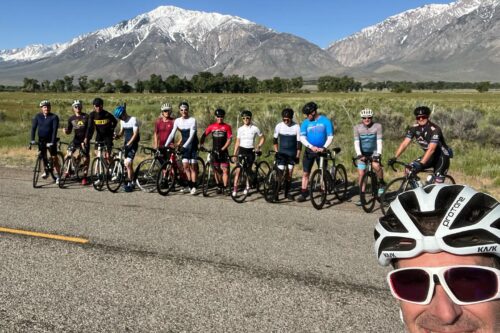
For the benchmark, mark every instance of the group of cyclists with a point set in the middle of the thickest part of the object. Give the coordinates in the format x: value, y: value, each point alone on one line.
x: 315, y: 133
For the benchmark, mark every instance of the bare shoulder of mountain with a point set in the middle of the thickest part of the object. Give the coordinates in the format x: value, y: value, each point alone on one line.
x: 459, y: 41
x: 171, y: 40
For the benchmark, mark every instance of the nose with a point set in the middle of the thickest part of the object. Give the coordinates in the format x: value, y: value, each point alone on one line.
x: 443, y: 308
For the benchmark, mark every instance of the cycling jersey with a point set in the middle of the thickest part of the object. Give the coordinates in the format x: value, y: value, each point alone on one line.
x: 316, y: 132
x: 129, y: 128
x: 163, y: 129
x: 103, y: 123
x: 187, y: 127
x: 287, y: 138
x: 368, y: 139
x: 247, y: 135
x: 427, y: 134
x: 80, y: 124
x: 220, y: 134
x: 47, y: 127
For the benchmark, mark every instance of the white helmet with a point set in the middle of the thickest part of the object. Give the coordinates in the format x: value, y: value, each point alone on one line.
x: 436, y: 218
x: 166, y: 107
x: 45, y: 103
x: 76, y: 102
x: 366, y: 113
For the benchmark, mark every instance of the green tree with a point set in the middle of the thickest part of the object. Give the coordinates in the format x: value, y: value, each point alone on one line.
x: 30, y: 85
x: 483, y: 86
x: 46, y: 85
x: 58, y: 85
x: 96, y: 85
x: 140, y: 86
x: 83, y: 83
x: 68, y: 82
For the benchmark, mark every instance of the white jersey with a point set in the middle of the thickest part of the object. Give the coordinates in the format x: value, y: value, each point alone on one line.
x: 187, y: 127
x: 129, y: 128
x: 247, y: 135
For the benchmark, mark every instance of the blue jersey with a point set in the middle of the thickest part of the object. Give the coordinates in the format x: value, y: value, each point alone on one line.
x: 367, y: 137
x: 47, y: 127
x: 317, y: 131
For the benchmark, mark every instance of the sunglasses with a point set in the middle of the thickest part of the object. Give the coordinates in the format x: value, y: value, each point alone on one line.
x: 245, y: 118
x: 183, y: 110
x: 364, y: 118
x: 463, y: 284
x: 421, y: 117
x: 286, y: 119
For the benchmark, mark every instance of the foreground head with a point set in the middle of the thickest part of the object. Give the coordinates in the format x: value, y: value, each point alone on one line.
x: 310, y: 110
x: 98, y: 104
x: 184, y: 109
x: 220, y: 114
x: 120, y: 112
x: 287, y: 116
x: 246, y: 116
x: 166, y: 110
x: 77, y: 106
x: 422, y: 114
x: 444, y: 241
x: 366, y: 116
x: 45, y: 106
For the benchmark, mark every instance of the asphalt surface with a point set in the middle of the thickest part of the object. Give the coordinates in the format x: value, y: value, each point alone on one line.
x: 186, y: 263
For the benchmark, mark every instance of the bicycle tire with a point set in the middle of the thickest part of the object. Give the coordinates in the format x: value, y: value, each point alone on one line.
x: 60, y: 158
x: 146, y: 174
x: 273, y: 186
x: 340, y: 182
x: 115, y: 176
x: 368, y: 191
x: 449, y: 180
x: 207, y: 180
x: 261, y: 173
x: 66, y: 171
x: 240, y: 194
x: 318, y: 187
x: 98, y: 174
x: 36, y: 171
x: 165, y: 179
x: 201, y: 172
x: 391, y: 191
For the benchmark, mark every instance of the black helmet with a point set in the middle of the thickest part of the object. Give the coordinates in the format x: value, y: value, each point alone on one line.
x: 220, y: 113
x: 246, y: 113
x: 422, y: 111
x: 98, y: 101
x: 183, y: 105
x: 309, y: 108
x: 287, y: 113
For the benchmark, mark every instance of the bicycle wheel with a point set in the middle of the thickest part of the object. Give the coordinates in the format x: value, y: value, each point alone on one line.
x: 239, y: 191
x: 115, y: 176
x: 98, y: 173
x: 66, y: 171
x: 208, y: 180
x: 368, y: 191
x: 391, y: 191
x: 36, y: 171
x: 318, y: 187
x: 340, y: 182
x: 262, y: 170
x: 165, y: 178
x: 449, y: 179
x: 146, y: 174
x: 201, y: 167
x: 60, y: 159
x: 272, y: 186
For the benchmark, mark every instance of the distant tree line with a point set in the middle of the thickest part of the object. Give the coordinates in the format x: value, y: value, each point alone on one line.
x: 407, y: 86
x: 334, y: 84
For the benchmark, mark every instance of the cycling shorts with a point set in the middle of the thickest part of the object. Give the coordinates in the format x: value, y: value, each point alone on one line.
x: 308, y: 160
x: 221, y: 159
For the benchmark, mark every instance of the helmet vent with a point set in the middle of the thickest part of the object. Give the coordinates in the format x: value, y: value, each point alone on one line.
x: 471, y: 238
x: 477, y: 207
x: 391, y: 223
x: 397, y: 244
x: 427, y: 222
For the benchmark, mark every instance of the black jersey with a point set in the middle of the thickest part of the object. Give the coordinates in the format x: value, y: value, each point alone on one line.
x: 103, y: 123
x: 79, y: 123
x: 427, y: 134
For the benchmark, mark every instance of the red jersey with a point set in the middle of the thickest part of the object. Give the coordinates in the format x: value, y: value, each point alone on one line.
x: 220, y: 134
x: 163, y: 129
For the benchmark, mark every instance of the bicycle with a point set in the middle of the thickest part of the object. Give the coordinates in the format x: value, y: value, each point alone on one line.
x: 117, y: 173
x: 247, y: 180
x: 278, y: 179
x: 172, y: 172
x: 42, y: 162
x: 209, y: 180
x: 369, y: 187
x: 99, y: 167
x: 325, y: 181
x: 73, y: 166
x: 401, y: 184
x: 147, y: 171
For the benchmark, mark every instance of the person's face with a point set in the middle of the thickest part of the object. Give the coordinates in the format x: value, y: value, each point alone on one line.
x: 246, y: 120
x: 422, y: 120
x: 311, y: 115
x: 45, y: 109
x: 98, y: 108
x: 220, y: 119
x: 366, y: 120
x: 166, y: 113
x: 77, y: 109
x: 184, y: 112
x: 287, y: 121
x: 441, y: 314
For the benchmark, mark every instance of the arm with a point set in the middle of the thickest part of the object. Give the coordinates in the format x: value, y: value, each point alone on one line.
x: 236, y: 146
x: 329, y: 140
x: 262, y: 139
x: 192, y: 133
x: 134, y: 136
x: 69, y: 127
x: 156, y: 138
x: 379, y: 140
x: 55, y: 127
x: 428, y: 153
x: 171, y: 136
x: 329, y: 133
x: 402, y: 147
x: 90, y: 128
x: 34, y: 125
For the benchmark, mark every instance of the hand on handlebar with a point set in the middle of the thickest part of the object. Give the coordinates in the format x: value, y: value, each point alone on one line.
x: 391, y: 161
x: 416, y: 166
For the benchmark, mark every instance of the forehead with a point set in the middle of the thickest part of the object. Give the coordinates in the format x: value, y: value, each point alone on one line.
x: 445, y: 259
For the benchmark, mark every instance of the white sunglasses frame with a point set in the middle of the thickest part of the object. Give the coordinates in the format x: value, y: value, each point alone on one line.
x: 439, y: 272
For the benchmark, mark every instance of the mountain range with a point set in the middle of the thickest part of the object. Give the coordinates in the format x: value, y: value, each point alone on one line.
x: 459, y: 41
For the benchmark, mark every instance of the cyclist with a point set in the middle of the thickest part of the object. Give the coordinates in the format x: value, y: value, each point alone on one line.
x: 430, y: 138
x: 129, y: 128
x: 368, y: 143
x: 286, y: 141
x: 79, y: 121
x: 47, y: 124
x: 316, y: 133
x: 163, y: 126
x: 221, y: 139
x: 189, y: 141
x: 444, y: 243
x: 245, y: 143
x: 103, y: 123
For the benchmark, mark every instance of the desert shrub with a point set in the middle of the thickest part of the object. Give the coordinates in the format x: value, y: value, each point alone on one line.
x: 459, y: 123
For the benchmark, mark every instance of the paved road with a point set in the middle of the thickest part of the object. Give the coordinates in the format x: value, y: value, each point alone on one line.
x: 186, y: 263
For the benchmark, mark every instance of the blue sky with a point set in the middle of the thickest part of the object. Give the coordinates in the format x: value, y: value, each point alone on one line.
x: 25, y: 22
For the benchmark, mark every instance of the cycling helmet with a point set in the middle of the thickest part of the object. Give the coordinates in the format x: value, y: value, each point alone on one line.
x: 183, y: 105
x: 287, y: 113
x: 309, y: 108
x: 45, y: 103
x: 98, y: 102
x: 220, y: 113
x: 422, y: 111
x: 246, y: 113
x: 366, y: 113
x: 450, y: 218
x: 119, y: 110
x: 77, y: 102
x: 166, y: 107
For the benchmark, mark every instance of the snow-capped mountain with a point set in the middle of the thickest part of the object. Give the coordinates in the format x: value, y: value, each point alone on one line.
x: 456, y: 41
x: 171, y: 40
